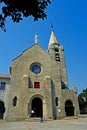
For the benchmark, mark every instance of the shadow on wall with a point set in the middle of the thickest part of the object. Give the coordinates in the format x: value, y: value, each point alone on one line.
x: 63, y: 85
x: 2, y: 109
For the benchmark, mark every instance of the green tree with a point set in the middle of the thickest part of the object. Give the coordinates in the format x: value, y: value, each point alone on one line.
x: 18, y: 9
x: 82, y: 97
x: 84, y: 93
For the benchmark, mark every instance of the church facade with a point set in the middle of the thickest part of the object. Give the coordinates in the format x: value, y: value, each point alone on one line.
x: 38, y: 82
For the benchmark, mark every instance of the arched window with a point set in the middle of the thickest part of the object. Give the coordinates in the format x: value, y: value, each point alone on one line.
x: 14, y: 101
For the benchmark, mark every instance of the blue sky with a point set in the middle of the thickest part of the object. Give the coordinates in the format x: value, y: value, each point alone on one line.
x: 69, y: 18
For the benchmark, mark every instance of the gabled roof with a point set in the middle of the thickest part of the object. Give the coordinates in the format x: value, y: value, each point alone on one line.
x: 27, y: 49
x: 4, y: 76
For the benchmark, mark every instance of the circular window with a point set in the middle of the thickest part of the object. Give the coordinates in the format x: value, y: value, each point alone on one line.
x: 36, y: 69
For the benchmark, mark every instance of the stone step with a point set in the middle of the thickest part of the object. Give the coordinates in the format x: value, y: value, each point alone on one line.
x: 70, y: 117
x: 83, y: 116
x: 2, y: 120
x: 32, y: 119
x: 36, y: 119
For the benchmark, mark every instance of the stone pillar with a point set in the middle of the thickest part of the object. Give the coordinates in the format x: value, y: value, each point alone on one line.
x: 45, y: 113
x: 23, y: 105
x: 47, y: 104
x: 63, y: 71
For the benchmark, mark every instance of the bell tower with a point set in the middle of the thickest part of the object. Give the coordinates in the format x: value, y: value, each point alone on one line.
x: 53, y: 47
x: 56, y: 52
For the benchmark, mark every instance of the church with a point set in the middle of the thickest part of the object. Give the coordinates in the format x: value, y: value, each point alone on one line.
x: 38, y: 82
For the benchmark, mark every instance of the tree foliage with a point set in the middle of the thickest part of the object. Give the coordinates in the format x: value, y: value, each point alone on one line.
x: 84, y: 93
x: 18, y: 9
x: 82, y: 97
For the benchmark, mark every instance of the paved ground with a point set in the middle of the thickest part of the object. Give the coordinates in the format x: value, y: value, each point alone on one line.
x: 74, y: 124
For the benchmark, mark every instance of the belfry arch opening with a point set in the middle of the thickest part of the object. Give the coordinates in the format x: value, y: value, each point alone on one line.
x: 36, y: 106
x: 69, y: 108
x: 2, y: 109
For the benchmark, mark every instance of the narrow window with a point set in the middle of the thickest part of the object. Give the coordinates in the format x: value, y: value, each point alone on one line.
x: 14, y: 101
x: 56, y: 101
x: 36, y: 85
x: 56, y: 49
x: 30, y: 85
x: 57, y: 57
x: 2, y: 85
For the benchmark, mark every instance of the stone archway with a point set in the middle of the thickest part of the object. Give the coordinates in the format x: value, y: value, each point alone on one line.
x: 37, y: 106
x: 2, y: 109
x: 69, y: 108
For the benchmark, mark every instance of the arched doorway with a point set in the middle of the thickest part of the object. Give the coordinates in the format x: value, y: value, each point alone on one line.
x: 37, y: 107
x: 69, y: 108
x: 2, y: 109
